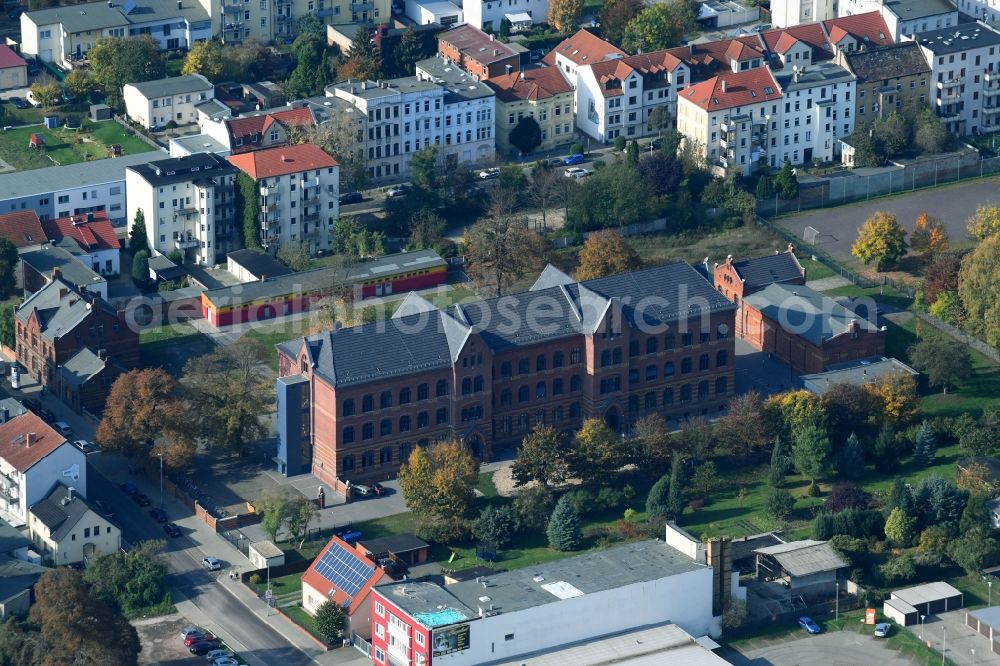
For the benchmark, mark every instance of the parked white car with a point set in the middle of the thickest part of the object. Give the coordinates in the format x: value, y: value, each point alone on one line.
x: 576, y: 172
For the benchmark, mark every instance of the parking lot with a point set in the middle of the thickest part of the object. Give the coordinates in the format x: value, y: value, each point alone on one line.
x: 161, y: 642
x: 836, y: 648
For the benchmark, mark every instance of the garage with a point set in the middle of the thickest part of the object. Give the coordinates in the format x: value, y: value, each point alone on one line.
x: 906, y: 605
x: 987, y: 622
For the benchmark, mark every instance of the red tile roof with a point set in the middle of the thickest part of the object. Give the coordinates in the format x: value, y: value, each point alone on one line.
x: 282, y: 160
x: 779, y: 41
x: 741, y: 89
x: 531, y: 84
x: 96, y: 234
x: 869, y: 28
x: 654, y: 62
x: 714, y: 55
x: 26, y: 439
x: 476, y: 44
x: 739, y: 51
x: 292, y: 118
x: 22, y: 228
x: 9, y: 59
x: 583, y: 48
x: 318, y: 582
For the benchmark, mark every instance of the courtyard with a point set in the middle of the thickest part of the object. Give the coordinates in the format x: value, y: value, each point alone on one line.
x: 93, y: 141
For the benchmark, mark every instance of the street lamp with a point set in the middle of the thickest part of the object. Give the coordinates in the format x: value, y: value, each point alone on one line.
x: 944, y: 643
x: 921, y: 634
x: 973, y: 651
x: 989, y: 593
x: 160, y: 456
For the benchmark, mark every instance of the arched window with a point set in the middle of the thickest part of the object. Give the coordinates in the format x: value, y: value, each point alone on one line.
x: 467, y: 386
x: 385, y: 455
x: 522, y: 394
x: 505, y: 369
x: 442, y: 415
x: 348, y: 435
x: 367, y: 403
x: 368, y: 430
x: 605, y: 358
x: 557, y: 386
x: 557, y: 414
x: 668, y: 369
x: 385, y: 427
x: 477, y: 384
x: 668, y: 397
x: 686, y: 366
x: 421, y: 391
x: 523, y: 366
x: 702, y: 390
x: 575, y: 383
x: 539, y: 390
x: 575, y: 410
x: 404, y: 452
x: 616, y: 355
x: 404, y: 424
x: 404, y: 396
x: 367, y: 459
x: 703, y: 362
x: 650, y: 345
x: 686, y: 393
x: 540, y: 363
x: 422, y: 419
x: 633, y: 348
x: 505, y: 398
x: 385, y: 400
x: 633, y: 404
x: 348, y: 408
x: 650, y: 400
x: 522, y: 422
x: 347, y: 463
x: 668, y: 341
x: 557, y: 359
x: 720, y: 386
x: 633, y: 376
x: 442, y: 388
x: 650, y: 370
x: 721, y: 358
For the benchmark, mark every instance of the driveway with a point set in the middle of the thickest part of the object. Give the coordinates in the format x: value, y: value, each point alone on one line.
x: 960, y: 641
x: 838, y: 648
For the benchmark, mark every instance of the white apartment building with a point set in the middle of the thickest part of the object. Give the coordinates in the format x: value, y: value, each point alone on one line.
x: 786, y: 13
x: 818, y: 109
x: 965, y: 76
x: 615, y: 97
x: 734, y: 119
x: 153, y: 104
x: 63, y: 35
x: 33, y: 457
x: 469, y: 112
x: 188, y: 205
x: 299, y: 193
x: 487, y: 14
x: 905, y: 17
x: 402, y: 116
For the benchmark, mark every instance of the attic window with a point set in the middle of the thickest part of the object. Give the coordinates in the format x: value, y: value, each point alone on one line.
x: 715, y: 100
x: 753, y: 93
x: 881, y: 35
x: 769, y: 90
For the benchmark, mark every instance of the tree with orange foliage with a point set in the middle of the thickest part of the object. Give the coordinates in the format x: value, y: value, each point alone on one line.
x: 606, y: 253
x: 897, y: 392
x: 146, y: 415
x: 929, y: 236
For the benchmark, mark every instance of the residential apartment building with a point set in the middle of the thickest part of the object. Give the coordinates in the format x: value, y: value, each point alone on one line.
x: 97, y: 186
x: 478, y: 53
x: 64, y: 528
x: 653, y: 341
x: 401, y: 116
x: 888, y: 79
x: 58, y: 323
x: 541, y: 93
x: 786, y: 13
x: 734, y: 119
x: 33, y: 457
x: 299, y: 193
x: 487, y: 14
x: 235, y: 21
x: 582, y: 48
x: 38, y: 267
x: 153, y: 104
x: 469, y: 112
x: 905, y: 17
x: 345, y: 15
x: 188, y: 204
x: 818, y: 109
x: 964, y: 77
x: 63, y: 35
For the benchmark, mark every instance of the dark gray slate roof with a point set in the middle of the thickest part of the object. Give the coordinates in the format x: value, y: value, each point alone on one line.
x: 11, y: 538
x: 420, y: 337
x: 259, y: 263
x: 59, y: 314
x: 81, y: 367
x: 887, y: 62
x: 49, y: 257
x: 762, y: 271
x: 806, y: 312
x: 394, y: 543
x: 58, y: 517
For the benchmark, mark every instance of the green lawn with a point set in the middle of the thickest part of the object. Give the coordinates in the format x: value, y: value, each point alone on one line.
x: 303, y: 619
x: 63, y: 146
x: 815, y: 270
x: 886, y: 295
x: 694, y: 246
x: 170, y: 346
x: 281, y: 585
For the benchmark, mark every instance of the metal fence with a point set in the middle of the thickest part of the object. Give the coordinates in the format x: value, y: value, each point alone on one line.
x: 849, y: 186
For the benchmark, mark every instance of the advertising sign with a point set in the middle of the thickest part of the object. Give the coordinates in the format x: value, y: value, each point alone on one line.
x: 869, y: 616
x: 450, y: 639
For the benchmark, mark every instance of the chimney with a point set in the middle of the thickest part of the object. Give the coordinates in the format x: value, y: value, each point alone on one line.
x: 496, y: 52
x: 725, y: 86
x: 110, y: 4
x: 522, y: 76
x: 102, y: 354
x: 729, y: 260
x: 491, y: 38
x: 90, y: 217
x: 56, y: 274
x: 509, y: 69
x: 4, y: 415
x: 70, y: 493
x: 180, y: 5
x: 790, y: 249
x: 263, y: 278
x: 29, y: 439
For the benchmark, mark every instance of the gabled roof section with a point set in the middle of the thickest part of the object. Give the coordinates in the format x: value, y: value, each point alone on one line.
x: 551, y: 277
x: 26, y: 439
x: 785, y: 42
x: 60, y: 511
x: 535, y: 84
x: 727, y: 91
x: 282, y: 161
x: 10, y: 59
x: 584, y: 48
x: 173, y: 85
x: 762, y: 271
x: 895, y: 60
x: 740, y: 51
x: 59, y: 307
x: 780, y: 40
x: 653, y: 67
x: 713, y: 56
x: 341, y: 573
x: 22, y: 228
x: 90, y: 234
x: 869, y: 29
x: 810, y: 314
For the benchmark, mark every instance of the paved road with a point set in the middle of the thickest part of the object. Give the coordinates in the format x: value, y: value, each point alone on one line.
x: 838, y: 648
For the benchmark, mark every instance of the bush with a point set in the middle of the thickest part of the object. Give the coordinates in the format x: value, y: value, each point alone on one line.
x: 581, y: 501
x: 496, y: 525
x: 534, y: 506
x: 897, y: 570
x: 609, y: 498
x: 575, y: 148
x: 627, y: 530
x: 171, y: 125
x: 620, y: 142
x: 780, y: 503
x: 852, y: 522
x: 735, y: 614
x: 657, y: 502
x: 444, y: 532
x: 254, y: 579
x: 846, y: 496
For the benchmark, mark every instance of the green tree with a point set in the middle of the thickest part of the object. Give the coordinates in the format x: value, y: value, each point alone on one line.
x: 300, y: 512
x: 229, y: 392
x: 764, y: 189
x: 294, y: 254
x: 312, y: 25
x: 658, y: 500
x: 564, y: 15
x: 500, y: 250
x: 675, y: 497
x: 897, y: 570
x: 650, y: 449
x: 947, y: 308
x: 811, y: 451
x: 79, y: 83
x: 543, y: 457
x: 363, y: 61
x: 45, y: 90
x: 7, y: 329
x: 609, y: 198
x: 851, y: 462
x: 974, y: 551
x: 533, y: 506
x: 886, y: 451
x: 894, y: 132
x: 899, y: 528
x: 312, y: 71
x: 780, y: 456
x: 496, y: 525
x: 979, y: 289
x: 786, y: 183
x: 438, y: 481
x: 780, y: 503
x: 424, y: 171
x: 115, y: 61
x: 881, y: 239
x: 976, y: 514
x: 705, y: 481
x: 901, y: 497
x: 632, y: 154
x: 130, y: 584
x: 331, y: 619
x: 868, y: 148
x: 945, y: 363
x: 137, y: 238
x: 615, y: 16
x: 8, y: 266
x: 940, y: 502
x: 206, y: 57
x: 248, y: 208
x: 273, y: 508
x: 140, y: 268
x: 596, y: 452
x: 985, y: 222
x: 410, y: 50
x: 564, y: 531
x: 925, y: 446
x: 660, y: 26
x: 526, y: 135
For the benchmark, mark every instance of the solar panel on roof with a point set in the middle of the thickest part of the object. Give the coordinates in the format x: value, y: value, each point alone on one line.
x: 345, y: 571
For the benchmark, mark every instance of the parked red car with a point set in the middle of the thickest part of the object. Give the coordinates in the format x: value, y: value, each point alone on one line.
x: 196, y: 638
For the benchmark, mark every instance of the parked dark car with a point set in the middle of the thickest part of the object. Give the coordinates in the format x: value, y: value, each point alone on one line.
x: 172, y: 530
x: 18, y: 102
x: 376, y: 488
x: 202, y: 648
x: 37, y: 408
x: 141, y: 499
x: 128, y: 488
x: 351, y: 198
x: 158, y: 514
x: 104, y: 509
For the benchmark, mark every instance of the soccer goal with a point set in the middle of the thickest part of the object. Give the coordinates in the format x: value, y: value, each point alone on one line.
x: 811, y: 235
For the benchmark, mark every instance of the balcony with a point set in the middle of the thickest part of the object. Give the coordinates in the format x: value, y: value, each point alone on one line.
x: 949, y: 113
x: 362, y: 6
x: 232, y: 7
x: 323, y: 13
x: 185, y: 243
x: 187, y: 212
x: 279, y: 3
x: 270, y: 205
x: 311, y: 217
x: 948, y: 95
x: 283, y: 18
x: 726, y: 143
x: 310, y: 182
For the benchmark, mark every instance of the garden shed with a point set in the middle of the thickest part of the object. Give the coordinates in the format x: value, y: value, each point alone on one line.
x: 805, y: 567
x: 264, y: 554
